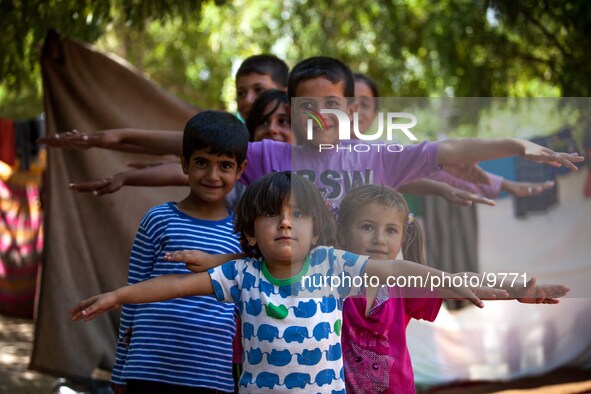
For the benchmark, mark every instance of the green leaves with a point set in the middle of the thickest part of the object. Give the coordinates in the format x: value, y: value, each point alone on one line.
x: 413, y: 48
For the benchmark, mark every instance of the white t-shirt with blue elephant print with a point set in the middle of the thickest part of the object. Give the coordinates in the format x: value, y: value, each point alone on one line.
x: 291, y: 328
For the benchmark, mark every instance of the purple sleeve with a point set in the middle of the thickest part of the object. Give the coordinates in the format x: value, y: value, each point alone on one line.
x: 412, y: 163
x: 488, y: 191
x: 264, y: 157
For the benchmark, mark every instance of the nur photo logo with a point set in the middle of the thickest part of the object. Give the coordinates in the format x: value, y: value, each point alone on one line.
x: 387, y: 124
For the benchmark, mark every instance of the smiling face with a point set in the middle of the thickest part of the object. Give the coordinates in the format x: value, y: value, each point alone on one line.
x: 211, y: 176
x: 376, y: 231
x: 284, y: 238
x: 316, y: 94
x: 249, y: 87
x: 276, y: 126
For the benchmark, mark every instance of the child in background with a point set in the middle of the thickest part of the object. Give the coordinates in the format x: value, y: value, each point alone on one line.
x: 374, y: 220
x: 270, y: 118
x: 323, y: 82
x: 255, y: 75
x: 367, y: 95
x: 185, y: 345
x: 291, y: 327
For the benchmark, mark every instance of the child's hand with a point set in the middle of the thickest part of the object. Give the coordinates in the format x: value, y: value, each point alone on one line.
x: 469, y: 172
x: 199, y: 261
x: 539, y: 294
x: 94, y: 306
x: 76, y: 140
x: 526, y: 189
x: 139, y: 164
x: 471, y: 294
x: 70, y: 139
x: 468, y: 294
x: 195, y: 260
x: 464, y: 198
x: 489, y: 293
x: 474, y: 294
x: 539, y: 154
x: 98, y: 188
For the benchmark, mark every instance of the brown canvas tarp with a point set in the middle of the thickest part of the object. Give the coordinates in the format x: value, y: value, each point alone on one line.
x: 88, y: 239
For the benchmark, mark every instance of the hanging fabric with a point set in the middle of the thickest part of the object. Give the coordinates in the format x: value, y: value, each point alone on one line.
x: 21, y: 244
x: 7, y: 151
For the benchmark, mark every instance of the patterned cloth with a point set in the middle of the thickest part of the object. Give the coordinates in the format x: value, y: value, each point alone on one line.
x: 291, y: 328
x: 21, y: 245
x: 375, y: 354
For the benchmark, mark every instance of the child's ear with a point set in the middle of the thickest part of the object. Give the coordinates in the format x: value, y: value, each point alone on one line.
x: 241, y: 168
x: 251, y: 240
x: 184, y: 165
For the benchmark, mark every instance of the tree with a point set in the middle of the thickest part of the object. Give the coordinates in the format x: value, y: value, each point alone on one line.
x: 413, y: 48
x: 26, y: 23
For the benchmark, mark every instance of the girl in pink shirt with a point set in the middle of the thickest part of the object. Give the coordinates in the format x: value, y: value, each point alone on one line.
x: 374, y: 220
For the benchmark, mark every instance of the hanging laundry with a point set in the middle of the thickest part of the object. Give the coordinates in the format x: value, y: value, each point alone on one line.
x: 21, y: 244
x: 452, y: 251
x: 26, y: 134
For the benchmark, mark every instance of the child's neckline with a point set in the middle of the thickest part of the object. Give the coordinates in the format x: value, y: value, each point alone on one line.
x: 287, y: 281
x: 175, y: 207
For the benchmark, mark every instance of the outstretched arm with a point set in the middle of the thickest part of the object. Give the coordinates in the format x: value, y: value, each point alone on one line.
x: 386, y: 269
x: 471, y: 150
x: 162, y: 175
x: 524, y: 291
x: 130, y: 140
x: 450, y: 193
x: 199, y: 261
x: 532, y: 293
x: 463, y: 191
x: 161, y: 288
x: 525, y: 189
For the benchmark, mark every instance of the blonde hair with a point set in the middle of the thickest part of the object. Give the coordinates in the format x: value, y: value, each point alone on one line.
x: 412, y: 243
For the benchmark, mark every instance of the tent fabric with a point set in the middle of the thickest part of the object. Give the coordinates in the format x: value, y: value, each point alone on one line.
x: 451, y: 236
x: 88, y: 239
x: 508, y: 340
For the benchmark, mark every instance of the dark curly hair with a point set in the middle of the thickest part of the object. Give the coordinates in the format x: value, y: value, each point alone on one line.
x: 268, y: 194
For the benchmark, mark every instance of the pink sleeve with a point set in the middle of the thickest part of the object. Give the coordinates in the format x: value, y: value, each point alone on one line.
x: 423, y: 308
x: 420, y: 303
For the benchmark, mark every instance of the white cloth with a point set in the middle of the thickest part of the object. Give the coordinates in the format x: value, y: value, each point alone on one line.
x: 506, y: 339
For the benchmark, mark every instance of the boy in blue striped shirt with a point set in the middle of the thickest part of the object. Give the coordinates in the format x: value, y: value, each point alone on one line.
x: 185, y: 345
